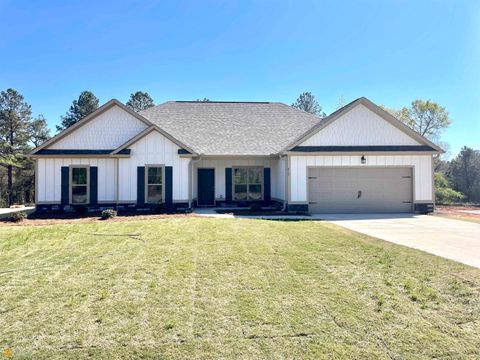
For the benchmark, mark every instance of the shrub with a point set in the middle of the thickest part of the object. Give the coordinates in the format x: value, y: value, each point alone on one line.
x: 448, y: 196
x: 444, y: 194
x: 19, y: 216
x: 108, y: 214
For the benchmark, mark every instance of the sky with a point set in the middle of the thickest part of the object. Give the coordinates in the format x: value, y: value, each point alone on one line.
x: 391, y: 52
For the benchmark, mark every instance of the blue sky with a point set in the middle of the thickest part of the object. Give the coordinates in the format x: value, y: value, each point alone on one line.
x: 389, y: 51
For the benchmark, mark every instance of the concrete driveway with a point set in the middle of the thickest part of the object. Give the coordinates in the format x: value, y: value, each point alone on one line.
x: 452, y: 239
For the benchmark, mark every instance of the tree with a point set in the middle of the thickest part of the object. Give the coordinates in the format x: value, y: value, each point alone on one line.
x: 140, y: 101
x: 307, y: 102
x: 464, y: 173
x: 341, y: 103
x: 444, y: 194
x: 15, y: 117
x: 427, y: 118
x: 39, y: 132
x: 87, y: 103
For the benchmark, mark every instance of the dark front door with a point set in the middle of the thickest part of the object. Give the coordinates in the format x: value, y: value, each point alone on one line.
x: 206, y: 187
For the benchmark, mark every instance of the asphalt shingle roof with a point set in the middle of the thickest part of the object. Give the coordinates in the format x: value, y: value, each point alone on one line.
x: 232, y: 128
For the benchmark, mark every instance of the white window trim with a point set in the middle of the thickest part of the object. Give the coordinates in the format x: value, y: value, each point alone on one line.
x: 261, y: 183
x: 70, y: 183
x: 147, y: 166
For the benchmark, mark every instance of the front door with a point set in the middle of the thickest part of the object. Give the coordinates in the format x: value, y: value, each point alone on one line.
x: 206, y: 187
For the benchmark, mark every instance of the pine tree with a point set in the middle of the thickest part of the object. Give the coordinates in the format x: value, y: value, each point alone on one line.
x: 86, y: 103
x: 15, y: 119
x: 140, y: 101
x: 307, y: 102
x: 39, y: 132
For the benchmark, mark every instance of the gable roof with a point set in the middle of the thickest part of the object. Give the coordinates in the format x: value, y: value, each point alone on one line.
x: 93, y: 115
x: 122, y: 148
x: 86, y: 119
x: 232, y: 128
x: 371, y: 106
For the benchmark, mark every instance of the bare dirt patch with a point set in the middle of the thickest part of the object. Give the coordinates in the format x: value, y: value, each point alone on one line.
x: 460, y: 212
x: 54, y: 219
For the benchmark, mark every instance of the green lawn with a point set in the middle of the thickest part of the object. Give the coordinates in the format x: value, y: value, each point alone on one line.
x: 229, y: 288
x: 462, y: 218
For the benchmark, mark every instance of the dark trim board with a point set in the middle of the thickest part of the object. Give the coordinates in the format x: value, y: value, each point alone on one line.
x: 383, y: 148
x: 79, y: 152
x: 183, y: 152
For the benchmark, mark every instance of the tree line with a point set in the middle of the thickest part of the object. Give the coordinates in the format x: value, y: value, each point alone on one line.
x: 456, y: 180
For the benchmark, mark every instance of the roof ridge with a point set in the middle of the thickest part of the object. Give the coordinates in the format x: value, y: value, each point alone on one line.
x: 221, y: 102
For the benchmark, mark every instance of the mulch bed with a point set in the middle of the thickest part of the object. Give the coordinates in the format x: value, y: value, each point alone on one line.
x: 74, y: 218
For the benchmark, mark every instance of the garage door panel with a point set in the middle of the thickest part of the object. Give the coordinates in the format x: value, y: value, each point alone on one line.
x: 360, y: 190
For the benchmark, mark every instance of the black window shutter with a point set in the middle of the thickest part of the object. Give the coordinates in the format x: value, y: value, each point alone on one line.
x: 93, y: 185
x: 267, y: 195
x: 168, y: 186
x: 140, y: 185
x: 65, y: 199
x: 228, y: 184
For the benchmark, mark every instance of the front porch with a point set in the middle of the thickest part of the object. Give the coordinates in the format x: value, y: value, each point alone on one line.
x: 238, y: 182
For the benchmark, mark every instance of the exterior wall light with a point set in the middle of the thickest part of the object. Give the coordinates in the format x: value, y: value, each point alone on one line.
x: 363, y: 159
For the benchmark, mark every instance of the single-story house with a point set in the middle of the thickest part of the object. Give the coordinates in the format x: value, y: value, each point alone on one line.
x: 184, y: 154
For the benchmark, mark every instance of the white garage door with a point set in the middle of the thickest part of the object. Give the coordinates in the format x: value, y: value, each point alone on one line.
x: 360, y: 190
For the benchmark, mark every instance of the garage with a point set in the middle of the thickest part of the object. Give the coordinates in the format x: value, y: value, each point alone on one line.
x: 360, y: 190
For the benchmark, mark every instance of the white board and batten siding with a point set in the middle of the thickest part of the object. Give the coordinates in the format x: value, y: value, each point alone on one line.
x: 108, y: 130
x: 277, y: 184
x: 153, y: 149
x: 49, y: 177
x: 359, y: 126
x: 422, y: 171
x: 279, y: 172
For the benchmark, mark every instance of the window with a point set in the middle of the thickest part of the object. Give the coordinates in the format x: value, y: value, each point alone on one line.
x: 247, y: 183
x: 79, y: 188
x: 154, y: 188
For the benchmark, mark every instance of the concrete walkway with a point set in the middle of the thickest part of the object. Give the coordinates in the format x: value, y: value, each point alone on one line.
x: 210, y: 212
x: 452, y: 239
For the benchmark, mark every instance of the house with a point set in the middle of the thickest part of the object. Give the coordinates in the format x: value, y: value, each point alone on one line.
x: 184, y: 154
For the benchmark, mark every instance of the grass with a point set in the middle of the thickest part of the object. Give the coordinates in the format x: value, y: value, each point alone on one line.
x: 461, y: 217
x: 229, y: 288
